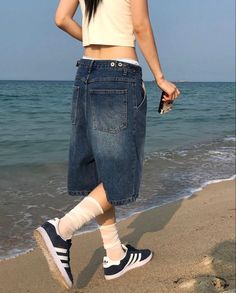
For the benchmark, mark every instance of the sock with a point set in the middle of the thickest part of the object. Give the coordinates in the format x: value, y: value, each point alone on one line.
x: 82, y: 213
x: 111, y: 242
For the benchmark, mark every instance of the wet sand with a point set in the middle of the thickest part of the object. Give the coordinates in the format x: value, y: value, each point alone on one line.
x: 193, y: 241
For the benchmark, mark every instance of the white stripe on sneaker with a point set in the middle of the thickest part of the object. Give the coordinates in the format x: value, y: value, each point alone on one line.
x: 63, y: 257
x: 65, y: 265
x: 134, y: 259
x: 139, y: 256
x: 130, y: 259
x: 55, y: 265
x: 62, y: 250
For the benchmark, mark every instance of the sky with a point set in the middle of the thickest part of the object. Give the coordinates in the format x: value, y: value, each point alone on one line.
x: 195, y: 41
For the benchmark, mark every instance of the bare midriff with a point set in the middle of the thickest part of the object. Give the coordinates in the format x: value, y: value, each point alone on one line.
x: 110, y: 52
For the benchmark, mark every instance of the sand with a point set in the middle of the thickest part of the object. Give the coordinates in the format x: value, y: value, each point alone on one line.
x: 193, y: 242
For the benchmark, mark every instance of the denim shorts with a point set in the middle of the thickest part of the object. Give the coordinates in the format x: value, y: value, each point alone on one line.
x: 108, y: 119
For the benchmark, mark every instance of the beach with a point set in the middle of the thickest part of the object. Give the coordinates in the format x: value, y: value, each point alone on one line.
x: 185, y: 207
x: 35, y: 133
x: 193, y: 240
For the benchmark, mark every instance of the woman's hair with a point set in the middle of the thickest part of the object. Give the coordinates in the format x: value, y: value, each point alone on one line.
x: 91, y: 8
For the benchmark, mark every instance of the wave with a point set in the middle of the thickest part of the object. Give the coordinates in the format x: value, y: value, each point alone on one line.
x: 230, y: 138
x: 17, y: 252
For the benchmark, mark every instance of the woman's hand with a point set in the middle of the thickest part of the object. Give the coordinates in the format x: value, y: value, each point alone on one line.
x: 168, y: 87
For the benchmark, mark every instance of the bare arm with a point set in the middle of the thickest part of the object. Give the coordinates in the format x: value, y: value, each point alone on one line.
x: 64, y: 18
x: 144, y: 35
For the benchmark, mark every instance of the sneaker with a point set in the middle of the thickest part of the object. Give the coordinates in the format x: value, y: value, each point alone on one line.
x: 56, y: 250
x: 133, y: 258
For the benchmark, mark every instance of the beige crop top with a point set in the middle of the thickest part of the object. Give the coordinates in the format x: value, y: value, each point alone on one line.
x: 111, y: 25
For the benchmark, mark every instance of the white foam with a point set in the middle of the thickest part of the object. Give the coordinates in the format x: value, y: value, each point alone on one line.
x: 230, y: 138
x: 17, y: 252
x: 209, y: 182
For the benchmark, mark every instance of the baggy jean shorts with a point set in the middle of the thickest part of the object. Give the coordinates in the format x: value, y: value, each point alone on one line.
x: 108, y: 119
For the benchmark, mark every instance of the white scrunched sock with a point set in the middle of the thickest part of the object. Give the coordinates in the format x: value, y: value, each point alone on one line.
x: 82, y: 213
x: 111, y: 241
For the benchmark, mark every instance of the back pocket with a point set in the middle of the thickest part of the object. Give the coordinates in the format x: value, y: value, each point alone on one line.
x: 141, y: 98
x: 109, y: 109
x: 74, y: 105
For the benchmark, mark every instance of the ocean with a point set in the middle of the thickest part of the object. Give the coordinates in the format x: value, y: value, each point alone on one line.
x: 185, y: 149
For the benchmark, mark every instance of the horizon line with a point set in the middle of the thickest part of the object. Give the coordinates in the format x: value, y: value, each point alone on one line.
x: 153, y: 80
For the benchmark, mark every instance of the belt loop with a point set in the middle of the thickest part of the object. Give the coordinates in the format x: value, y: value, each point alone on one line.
x: 89, y: 70
x: 90, y: 66
x: 124, y: 70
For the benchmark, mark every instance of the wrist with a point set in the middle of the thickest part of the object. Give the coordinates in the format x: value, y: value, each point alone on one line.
x: 159, y: 77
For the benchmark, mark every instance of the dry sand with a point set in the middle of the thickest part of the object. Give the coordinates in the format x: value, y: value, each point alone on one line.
x: 193, y: 242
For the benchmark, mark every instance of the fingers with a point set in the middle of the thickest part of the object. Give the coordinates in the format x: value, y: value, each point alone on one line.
x: 175, y: 93
x: 172, y: 95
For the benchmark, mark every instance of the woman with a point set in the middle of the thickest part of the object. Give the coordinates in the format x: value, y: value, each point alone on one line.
x: 108, y: 118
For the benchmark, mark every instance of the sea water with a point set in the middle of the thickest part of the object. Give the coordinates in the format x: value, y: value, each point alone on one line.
x: 185, y: 149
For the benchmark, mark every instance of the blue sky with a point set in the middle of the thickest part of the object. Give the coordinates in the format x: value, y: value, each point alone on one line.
x: 195, y: 40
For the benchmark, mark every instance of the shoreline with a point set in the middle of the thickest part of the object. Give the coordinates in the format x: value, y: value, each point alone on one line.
x: 192, y: 192
x: 192, y: 239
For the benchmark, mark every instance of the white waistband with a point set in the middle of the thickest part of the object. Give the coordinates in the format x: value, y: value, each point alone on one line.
x: 119, y: 59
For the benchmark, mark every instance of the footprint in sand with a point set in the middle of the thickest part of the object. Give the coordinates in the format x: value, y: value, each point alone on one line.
x: 207, y: 260
x: 202, y: 284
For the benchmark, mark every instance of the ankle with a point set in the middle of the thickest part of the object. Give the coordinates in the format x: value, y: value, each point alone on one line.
x: 117, y: 257
x: 117, y: 253
x: 64, y: 236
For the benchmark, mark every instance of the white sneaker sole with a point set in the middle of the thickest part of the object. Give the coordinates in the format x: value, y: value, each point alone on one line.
x: 129, y: 267
x: 54, y: 263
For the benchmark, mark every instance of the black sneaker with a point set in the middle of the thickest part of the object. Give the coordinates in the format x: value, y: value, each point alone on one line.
x: 133, y: 258
x: 56, y: 250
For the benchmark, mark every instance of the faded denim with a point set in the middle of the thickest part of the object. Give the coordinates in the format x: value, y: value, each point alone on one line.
x: 108, y: 119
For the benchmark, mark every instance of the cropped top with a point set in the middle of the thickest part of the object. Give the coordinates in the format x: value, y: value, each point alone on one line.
x: 111, y: 24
